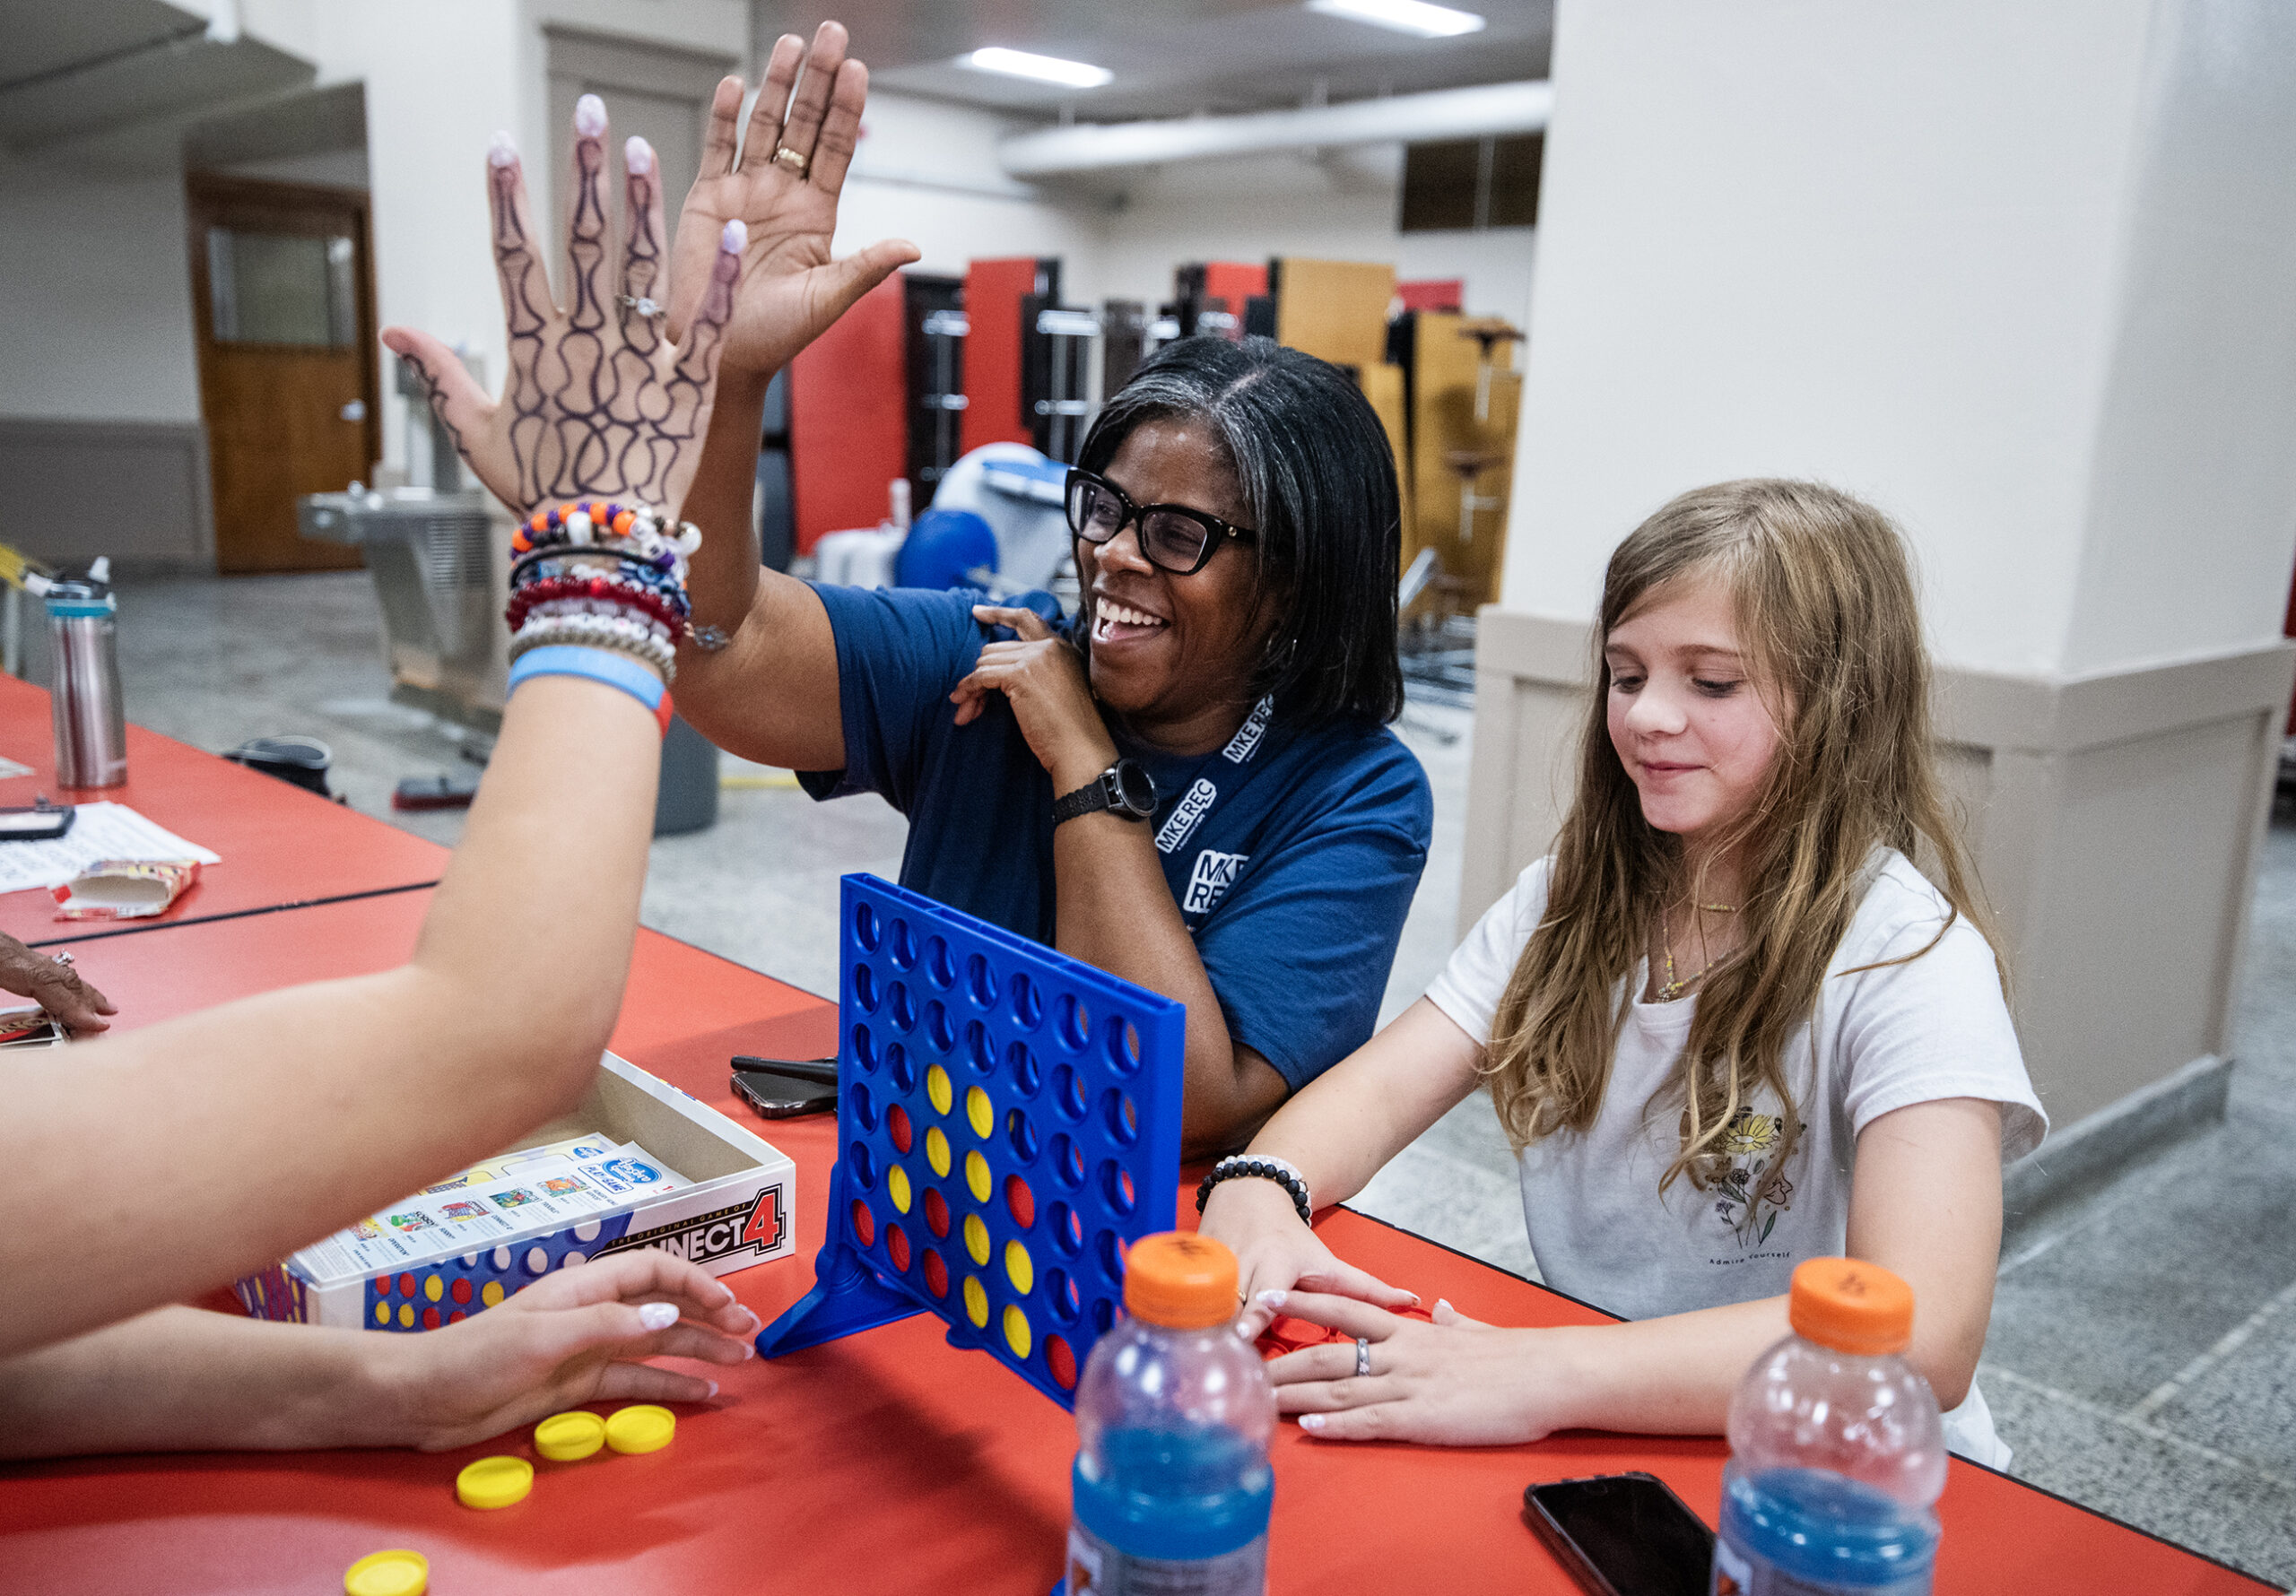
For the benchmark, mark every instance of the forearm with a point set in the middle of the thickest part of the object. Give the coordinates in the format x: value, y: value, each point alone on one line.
x: 348, y: 1093
x: 769, y: 693
x: 1670, y: 1376
x: 541, y: 895
x: 722, y: 579
x: 1345, y: 1125
x: 179, y: 1379
x: 1115, y: 913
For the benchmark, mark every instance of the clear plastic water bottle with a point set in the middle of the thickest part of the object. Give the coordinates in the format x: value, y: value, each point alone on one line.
x: 1173, y: 1415
x: 1836, y: 1450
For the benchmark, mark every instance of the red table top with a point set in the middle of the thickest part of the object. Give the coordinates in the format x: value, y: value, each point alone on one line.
x: 280, y: 844
x: 885, y: 1461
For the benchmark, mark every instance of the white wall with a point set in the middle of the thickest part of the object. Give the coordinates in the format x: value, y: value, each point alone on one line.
x: 2192, y: 498
x: 439, y: 81
x: 95, y: 297
x: 1841, y: 238
x: 926, y: 171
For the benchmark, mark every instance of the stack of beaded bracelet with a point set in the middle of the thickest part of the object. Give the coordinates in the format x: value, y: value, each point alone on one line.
x: 601, y: 575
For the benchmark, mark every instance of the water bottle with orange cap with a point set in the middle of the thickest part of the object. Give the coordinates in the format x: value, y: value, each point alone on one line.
x: 1837, y: 1454
x: 1173, y: 1415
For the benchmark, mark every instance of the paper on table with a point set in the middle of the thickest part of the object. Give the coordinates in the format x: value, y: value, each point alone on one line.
x: 103, y: 831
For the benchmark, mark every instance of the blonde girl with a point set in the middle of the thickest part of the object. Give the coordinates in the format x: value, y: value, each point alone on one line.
x: 1727, y: 1024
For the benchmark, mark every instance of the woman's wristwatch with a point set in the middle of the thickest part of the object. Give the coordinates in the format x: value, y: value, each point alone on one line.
x: 1263, y: 1166
x: 1125, y: 788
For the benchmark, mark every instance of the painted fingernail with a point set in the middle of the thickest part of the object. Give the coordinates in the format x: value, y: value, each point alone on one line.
x: 756, y: 1323
x: 1445, y: 1302
x: 658, y: 1316
x: 1271, y: 1298
x: 1311, y: 1421
x: 713, y: 1389
x: 1242, y: 1332
x: 748, y: 1350
x: 735, y: 238
x: 502, y: 150
x: 590, y: 117
x: 1414, y: 1299
x: 637, y: 157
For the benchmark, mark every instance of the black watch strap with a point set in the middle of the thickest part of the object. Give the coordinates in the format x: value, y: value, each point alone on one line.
x: 1124, y: 789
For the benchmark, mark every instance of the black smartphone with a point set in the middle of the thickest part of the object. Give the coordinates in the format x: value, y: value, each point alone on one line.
x: 823, y: 1070
x: 1624, y: 1534
x: 42, y: 822
x: 775, y: 1096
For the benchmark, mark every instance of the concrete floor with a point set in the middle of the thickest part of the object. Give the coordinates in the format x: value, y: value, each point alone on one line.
x: 2142, y: 1353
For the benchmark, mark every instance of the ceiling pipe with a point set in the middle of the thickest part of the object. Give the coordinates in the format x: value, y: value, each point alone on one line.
x: 1478, y: 112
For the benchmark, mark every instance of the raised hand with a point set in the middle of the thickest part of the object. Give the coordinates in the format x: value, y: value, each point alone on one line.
x: 782, y: 181
x: 600, y: 400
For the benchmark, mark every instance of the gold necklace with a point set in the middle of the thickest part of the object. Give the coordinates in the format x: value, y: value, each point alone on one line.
x: 1671, y: 988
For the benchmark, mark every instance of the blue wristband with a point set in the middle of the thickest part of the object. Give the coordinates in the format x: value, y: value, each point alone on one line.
x: 609, y: 666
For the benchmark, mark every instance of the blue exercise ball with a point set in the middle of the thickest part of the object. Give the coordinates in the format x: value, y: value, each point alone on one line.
x: 943, y: 549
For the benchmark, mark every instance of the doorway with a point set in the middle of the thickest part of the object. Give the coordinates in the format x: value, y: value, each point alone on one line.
x: 283, y: 305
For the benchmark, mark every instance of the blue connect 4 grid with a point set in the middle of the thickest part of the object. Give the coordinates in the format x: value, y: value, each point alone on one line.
x: 1008, y: 1124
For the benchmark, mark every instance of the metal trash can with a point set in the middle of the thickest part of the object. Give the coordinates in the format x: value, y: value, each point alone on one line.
x: 687, y: 800
x: 441, y: 576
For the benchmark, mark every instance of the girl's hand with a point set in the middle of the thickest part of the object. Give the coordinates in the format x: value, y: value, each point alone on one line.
x: 1455, y: 1382
x: 574, y: 1336
x: 1276, y: 1253
x: 1045, y: 681
x: 599, y: 401
x: 795, y: 288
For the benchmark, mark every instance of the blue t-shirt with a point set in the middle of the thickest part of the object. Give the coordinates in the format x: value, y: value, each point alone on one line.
x: 1294, y: 854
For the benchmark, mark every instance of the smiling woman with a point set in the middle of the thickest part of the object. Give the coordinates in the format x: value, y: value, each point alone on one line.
x: 1193, y: 787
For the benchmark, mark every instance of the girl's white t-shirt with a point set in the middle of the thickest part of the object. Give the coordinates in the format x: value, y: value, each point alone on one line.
x: 1932, y: 1027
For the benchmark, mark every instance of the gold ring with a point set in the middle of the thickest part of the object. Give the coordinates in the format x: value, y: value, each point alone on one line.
x: 795, y: 162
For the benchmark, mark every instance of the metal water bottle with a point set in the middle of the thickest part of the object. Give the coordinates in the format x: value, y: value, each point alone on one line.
x: 83, y: 649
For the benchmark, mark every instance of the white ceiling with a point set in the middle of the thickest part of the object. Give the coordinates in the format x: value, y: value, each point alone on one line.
x: 1170, y: 57
x: 112, y: 87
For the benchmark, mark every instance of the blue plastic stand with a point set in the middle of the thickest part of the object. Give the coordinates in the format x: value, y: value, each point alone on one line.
x: 1008, y: 1123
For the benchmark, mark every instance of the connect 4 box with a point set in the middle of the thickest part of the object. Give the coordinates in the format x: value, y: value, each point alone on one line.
x: 637, y: 1163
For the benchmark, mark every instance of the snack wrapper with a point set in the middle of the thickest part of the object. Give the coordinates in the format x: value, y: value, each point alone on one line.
x: 124, y: 888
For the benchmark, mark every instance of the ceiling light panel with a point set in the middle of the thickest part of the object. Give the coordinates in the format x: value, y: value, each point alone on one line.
x: 1049, y: 69
x: 1414, y: 17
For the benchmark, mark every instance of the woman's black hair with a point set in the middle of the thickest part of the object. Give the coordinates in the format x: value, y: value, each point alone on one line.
x: 1319, y: 480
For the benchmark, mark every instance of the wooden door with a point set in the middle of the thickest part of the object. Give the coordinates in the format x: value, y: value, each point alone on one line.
x: 282, y: 298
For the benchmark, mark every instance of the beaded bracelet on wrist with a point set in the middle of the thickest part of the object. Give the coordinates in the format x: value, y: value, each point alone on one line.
x: 637, y: 632
x: 1242, y: 1164
x: 586, y: 615
x: 622, y: 637
x: 557, y: 564
x: 603, y: 590
x: 586, y: 523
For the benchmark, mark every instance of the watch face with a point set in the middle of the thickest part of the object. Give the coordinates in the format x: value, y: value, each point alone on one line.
x: 1136, y: 787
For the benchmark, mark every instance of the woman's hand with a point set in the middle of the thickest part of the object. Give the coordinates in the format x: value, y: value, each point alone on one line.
x: 1276, y: 1253
x: 574, y: 1336
x: 56, y: 987
x: 599, y: 401
x: 796, y: 288
x: 1455, y: 1382
x: 1045, y: 681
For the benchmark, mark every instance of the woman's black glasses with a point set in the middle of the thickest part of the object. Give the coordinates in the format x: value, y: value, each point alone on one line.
x: 1171, y: 535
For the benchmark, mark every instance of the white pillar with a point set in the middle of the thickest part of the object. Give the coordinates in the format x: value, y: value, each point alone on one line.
x: 2025, y: 277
